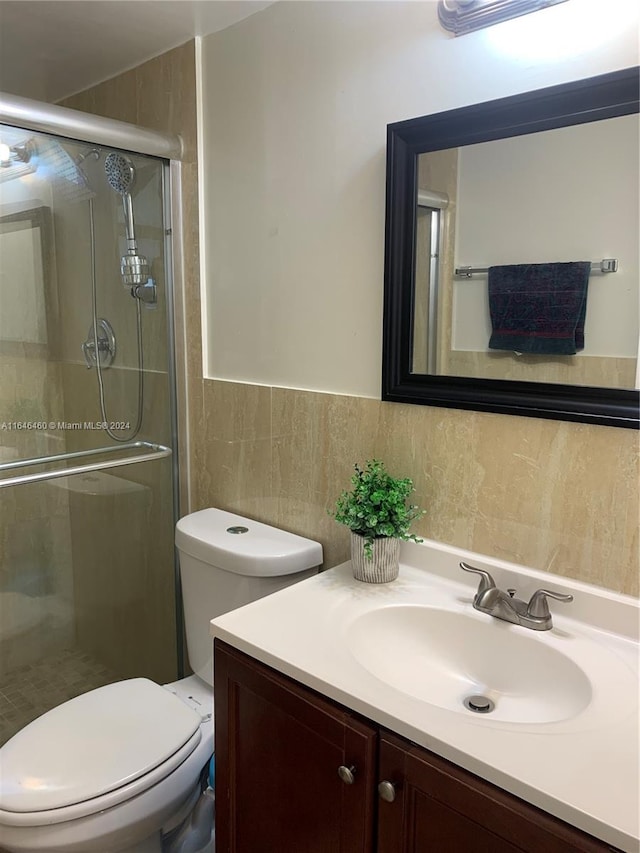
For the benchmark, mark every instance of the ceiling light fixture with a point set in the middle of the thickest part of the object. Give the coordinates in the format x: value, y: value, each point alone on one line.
x: 465, y: 16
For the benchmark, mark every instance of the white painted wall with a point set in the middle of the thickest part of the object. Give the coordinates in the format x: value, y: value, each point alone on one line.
x: 564, y: 195
x: 295, y: 102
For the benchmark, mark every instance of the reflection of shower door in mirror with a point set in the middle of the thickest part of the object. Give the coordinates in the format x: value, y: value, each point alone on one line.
x: 426, y: 289
x: 432, y: 295
x: 435, y: 224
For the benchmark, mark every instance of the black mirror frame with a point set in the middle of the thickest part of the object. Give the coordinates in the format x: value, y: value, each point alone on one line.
x: 593, y: 99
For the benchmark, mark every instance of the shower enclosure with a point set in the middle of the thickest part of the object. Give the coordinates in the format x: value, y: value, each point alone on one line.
x: 88, y: 502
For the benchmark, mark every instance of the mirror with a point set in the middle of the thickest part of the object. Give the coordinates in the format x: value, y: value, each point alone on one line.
x: 493, y: 199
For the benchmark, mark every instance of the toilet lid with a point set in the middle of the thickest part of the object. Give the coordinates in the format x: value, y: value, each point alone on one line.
x: 93, y: 744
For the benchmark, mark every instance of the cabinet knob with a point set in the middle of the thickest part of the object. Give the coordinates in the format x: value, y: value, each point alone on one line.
x: 347, y: 774
x: 387, y: 791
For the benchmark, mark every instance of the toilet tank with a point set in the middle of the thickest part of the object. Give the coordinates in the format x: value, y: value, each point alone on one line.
x: 227, y: 561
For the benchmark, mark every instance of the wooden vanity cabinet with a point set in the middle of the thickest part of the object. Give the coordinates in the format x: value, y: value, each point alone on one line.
x: 279, y: 747
x: 440, y: 807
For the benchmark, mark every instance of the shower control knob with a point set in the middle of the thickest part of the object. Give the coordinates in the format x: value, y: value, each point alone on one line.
x: 347, y: 774
x: 387, y: 791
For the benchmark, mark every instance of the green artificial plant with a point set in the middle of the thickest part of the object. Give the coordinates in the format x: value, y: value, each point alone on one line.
x: 377, y: 507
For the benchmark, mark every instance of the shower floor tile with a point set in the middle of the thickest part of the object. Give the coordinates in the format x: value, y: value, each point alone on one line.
x: 29, y: 691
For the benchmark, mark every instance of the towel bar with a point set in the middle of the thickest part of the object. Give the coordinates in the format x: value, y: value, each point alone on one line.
x: 149, y: 450
x: 605, y: 265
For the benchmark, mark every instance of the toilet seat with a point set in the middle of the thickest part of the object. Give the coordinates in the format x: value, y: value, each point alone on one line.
x: 56, y: 769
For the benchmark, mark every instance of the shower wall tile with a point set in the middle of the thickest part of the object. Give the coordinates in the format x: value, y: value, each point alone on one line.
x: 73, y: 265
x: 165, y: 95
x: 36, y: 594
x: 113, y: 301
x: 117, y: 97
x: 82, y: 404
x: 35, y: 542
x: 30, y: 391
x: 556, y: 496
x: 123, y: 585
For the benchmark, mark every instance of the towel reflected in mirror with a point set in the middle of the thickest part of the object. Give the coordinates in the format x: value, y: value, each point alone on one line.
x: 539, y: 309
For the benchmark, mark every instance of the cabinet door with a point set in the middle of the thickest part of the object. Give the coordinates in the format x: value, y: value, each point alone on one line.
x: 278, y: 750
x: 439, y: 807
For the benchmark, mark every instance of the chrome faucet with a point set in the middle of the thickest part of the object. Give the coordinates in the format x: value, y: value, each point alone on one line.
x: 504, y: 605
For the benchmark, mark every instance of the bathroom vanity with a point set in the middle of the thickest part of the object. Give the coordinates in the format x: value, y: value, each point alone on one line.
x: 340, y: 722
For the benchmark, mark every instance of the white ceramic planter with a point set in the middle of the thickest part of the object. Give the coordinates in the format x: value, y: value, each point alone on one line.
x: 384, y: 564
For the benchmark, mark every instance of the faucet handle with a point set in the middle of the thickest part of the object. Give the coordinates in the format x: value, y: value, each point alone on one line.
x: 538, y: 606
x: 486, y: 581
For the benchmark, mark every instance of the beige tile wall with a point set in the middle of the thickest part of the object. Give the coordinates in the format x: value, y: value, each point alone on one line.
x: 554, y: 495
x: 36, y: 596
x: 36, y: 580
x: 123, y: 576
x: 600, y: 371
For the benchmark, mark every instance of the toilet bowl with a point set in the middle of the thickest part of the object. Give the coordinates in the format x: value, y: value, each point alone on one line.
x: 116, y: 769
x: 69, y: 794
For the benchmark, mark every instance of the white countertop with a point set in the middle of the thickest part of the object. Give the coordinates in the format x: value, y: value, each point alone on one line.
x: 583, y: 770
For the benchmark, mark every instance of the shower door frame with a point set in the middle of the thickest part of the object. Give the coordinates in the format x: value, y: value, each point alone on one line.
x: 28, y: 114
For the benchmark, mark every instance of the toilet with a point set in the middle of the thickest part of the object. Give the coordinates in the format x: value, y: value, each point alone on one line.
x: 118, y: 769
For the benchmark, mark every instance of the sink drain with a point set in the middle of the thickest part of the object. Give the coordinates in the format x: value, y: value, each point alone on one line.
x: 479, y: 704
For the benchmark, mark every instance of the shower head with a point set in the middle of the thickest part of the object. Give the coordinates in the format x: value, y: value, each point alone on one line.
x: 120, y: 172
x: 120, y: 177
x: 134, y: 268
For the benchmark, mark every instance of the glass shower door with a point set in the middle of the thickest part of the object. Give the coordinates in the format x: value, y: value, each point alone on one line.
x: 87, y: 442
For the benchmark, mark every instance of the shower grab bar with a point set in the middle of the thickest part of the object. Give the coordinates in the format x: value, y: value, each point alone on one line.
x: 76, y: 454
x: 605, y: 265
x: 154, y: 451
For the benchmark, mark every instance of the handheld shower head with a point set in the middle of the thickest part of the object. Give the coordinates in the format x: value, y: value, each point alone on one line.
x: 121, y: 176
x: 120, y: 172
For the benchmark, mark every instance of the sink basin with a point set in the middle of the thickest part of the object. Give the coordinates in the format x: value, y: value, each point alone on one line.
x: 442, y: 657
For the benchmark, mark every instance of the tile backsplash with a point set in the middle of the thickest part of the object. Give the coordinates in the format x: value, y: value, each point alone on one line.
x: 556, y: 496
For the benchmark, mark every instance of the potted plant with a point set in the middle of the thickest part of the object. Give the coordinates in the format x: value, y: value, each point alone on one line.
x: 377, y: 513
